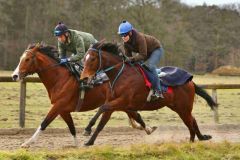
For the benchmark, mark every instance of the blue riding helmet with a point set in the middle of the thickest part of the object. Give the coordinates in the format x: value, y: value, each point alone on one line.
x: 60, y: 29
x: 124, y: 27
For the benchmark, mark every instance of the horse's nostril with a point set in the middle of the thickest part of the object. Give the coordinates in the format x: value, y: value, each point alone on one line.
x: 14, y: 77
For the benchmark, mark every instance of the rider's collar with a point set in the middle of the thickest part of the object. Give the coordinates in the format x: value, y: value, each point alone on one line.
x: 68, y: 39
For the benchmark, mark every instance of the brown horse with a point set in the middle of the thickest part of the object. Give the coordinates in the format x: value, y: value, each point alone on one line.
x: 63, y: 89
x: 130, y: 93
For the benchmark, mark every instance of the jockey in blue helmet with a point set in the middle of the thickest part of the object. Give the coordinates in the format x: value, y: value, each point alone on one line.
x: 148, y: 48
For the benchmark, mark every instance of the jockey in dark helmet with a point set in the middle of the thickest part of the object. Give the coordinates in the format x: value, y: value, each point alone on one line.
x: 147, y: 47
x: 73, y: 41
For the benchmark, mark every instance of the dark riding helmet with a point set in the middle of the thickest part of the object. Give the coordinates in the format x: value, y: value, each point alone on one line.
x: 60, y: 29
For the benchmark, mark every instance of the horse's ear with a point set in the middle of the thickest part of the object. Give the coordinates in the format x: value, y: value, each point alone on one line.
x: 28, y: 46
x: 100, y: 43
x: 42, y: 43
x: 91, y: 45
x: 36, y: 46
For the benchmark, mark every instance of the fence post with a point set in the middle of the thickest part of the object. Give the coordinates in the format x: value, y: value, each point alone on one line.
x: 215, y: 111
x: 22, y: 103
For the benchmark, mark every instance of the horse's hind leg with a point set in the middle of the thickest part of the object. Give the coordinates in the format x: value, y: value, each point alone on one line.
x: 199, y: 135
x: 68, y: 119
x: 132, y: 122
x: 137, y: 117
x: 188, y: 121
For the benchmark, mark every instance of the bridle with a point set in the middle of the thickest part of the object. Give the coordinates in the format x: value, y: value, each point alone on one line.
x: 101, y: 70
x: 34, y: 60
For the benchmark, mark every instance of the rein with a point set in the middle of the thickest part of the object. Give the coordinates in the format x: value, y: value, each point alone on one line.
x: 99, y: 70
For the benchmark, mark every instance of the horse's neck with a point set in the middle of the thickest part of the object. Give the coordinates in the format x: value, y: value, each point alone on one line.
x: 117, y: 63
x: 130, y: 72
x: 50, y: 73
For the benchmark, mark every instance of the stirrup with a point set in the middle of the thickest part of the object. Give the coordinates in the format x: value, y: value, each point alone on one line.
x: 158, y: 94
x: 85, y: 86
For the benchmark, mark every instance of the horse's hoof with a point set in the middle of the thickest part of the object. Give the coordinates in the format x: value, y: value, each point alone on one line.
x: 25, y: 145
x: 88, y: 144
x: 154, y: 128
x: 205, y: 137
x: 150, y: 130
x: 139, y: 128
x: 87, y: 133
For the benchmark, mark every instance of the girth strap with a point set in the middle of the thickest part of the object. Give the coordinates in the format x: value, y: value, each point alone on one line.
x: 81, y: 97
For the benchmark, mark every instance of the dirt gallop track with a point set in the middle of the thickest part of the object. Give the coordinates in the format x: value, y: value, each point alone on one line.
x: 11, y: 139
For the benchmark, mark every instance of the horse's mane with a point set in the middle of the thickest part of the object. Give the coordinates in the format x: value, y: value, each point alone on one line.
x: 49, y: 50
x: 112, y: 48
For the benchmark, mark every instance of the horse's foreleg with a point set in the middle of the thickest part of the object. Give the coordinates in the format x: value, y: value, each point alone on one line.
x: 137, y: 117
x: 31, y: 140
x: 68, y: 119
x: 132, y: 122
x: 52, y: 114
x: 88, y: 129
x: 107, y: 110
x: 105, y: 117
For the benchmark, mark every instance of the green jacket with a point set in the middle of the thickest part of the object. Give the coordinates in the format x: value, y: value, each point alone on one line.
x: 77, y: 44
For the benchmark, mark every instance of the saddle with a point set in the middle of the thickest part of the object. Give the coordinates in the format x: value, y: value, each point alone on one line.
x: 76, y: 69
x: 169, y: 78
x: 168, y: 75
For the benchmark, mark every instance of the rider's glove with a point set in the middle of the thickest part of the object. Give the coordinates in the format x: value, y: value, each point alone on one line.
x: 129, y: 59
x: 64, y: 60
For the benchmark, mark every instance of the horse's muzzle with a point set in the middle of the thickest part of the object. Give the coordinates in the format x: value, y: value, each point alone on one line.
x: 85, y: 76
x: 15, y: 77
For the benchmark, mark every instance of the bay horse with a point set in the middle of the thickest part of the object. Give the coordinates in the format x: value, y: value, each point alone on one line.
x: 63, y: 90
x: 130, y: 93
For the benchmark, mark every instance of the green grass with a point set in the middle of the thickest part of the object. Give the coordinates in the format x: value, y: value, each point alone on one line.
x: 38, y: 104
x: 166, y: 151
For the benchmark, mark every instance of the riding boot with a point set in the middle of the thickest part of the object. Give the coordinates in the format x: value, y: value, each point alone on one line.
x: 159, y: 90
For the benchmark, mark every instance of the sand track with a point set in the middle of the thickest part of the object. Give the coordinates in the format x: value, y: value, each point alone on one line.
x: 11, y: 139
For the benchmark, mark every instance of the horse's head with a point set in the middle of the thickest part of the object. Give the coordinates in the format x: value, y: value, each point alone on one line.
x: 99, y: 57
x: 29, y: 61
x: 92, y: 61
x: 27, y: 64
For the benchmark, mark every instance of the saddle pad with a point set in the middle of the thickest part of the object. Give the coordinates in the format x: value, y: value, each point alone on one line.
x: 174, y: 76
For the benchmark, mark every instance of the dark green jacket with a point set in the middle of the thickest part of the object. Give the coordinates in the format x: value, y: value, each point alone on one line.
x: 77, y: 44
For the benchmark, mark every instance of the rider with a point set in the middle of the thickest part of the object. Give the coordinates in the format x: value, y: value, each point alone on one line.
x: 148, y: 48
x: 73, y: 41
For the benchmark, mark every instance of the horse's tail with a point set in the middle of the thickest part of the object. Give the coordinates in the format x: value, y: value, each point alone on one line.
x: 202, y: 93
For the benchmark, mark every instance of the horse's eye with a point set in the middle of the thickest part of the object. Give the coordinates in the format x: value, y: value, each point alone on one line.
x: 27, y: 59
